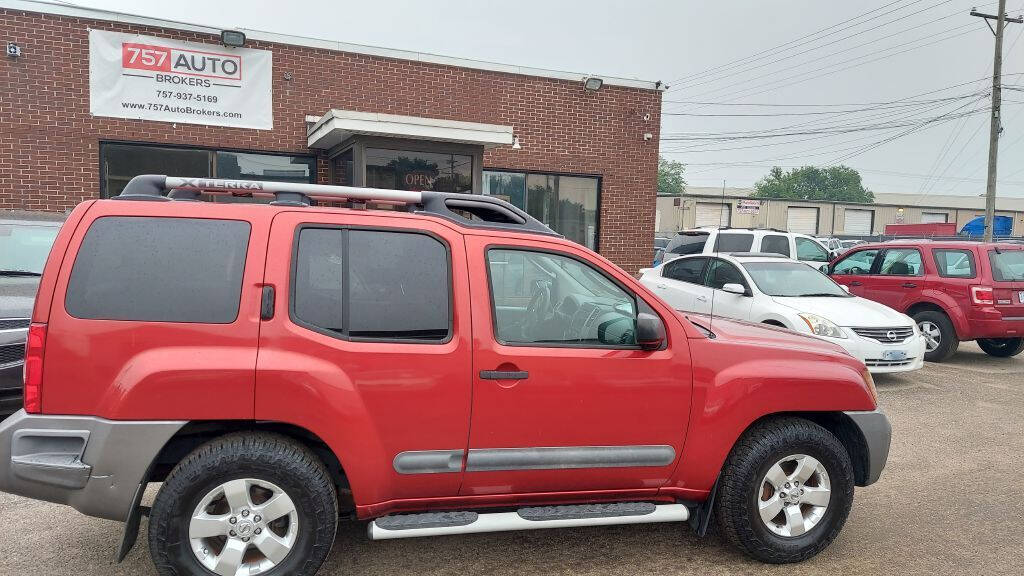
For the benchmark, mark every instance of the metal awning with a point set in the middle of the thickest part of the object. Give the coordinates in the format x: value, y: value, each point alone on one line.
x: 336, y: 126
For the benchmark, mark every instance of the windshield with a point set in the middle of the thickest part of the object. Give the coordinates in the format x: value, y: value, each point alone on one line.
x: 792, y: 279
x: 1007, y: 266
x: 24, y: 247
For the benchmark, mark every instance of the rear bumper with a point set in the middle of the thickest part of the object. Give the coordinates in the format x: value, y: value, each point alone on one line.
x: 995, y: 325
x: 91, y: 464
x: 874, y: 427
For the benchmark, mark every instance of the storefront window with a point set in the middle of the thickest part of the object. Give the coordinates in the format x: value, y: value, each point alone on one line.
x: 566, y: 204
x: 409, y: 170
x: 119, y: 163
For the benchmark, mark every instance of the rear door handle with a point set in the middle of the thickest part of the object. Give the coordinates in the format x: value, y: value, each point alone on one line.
x: 702, y: 298
x: 909, y: 285
x: 504, y: 374
x: 661, y: 286
x: 855, y: 283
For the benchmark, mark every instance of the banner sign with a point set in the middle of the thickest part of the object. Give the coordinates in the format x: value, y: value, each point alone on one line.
x: 142, y: 77
x: 748, y: 206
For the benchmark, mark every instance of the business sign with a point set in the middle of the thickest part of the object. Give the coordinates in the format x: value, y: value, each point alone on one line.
x: 147, y: 78
x: 748, y: 206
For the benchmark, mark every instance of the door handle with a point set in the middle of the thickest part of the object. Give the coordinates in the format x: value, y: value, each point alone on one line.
x: 702, y: 298
x: 504, y: 374
x: 267, y: 303
x: 855, y: 283
x: 661, y: 286
x: 909, y: 285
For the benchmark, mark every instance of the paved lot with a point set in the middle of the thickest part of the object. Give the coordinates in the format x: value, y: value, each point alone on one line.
x: 950, y: 502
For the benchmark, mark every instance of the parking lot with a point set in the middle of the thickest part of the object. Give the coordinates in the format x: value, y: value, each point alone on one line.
x: 951, y: 501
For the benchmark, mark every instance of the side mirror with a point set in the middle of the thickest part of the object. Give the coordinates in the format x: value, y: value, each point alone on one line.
x: 650, y: 331
x: 824, y: 269
x: 733, y: 288
x: 643, y: 271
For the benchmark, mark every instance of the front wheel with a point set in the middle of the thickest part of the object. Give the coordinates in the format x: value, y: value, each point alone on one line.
x: 785, y: 491
x: 1001, y: 347
x: 244, y: 504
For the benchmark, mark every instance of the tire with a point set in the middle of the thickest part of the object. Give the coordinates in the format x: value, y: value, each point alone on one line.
x: 741, y: 490
x: 1002, y: 347
x: 264, y: 462
x: 948, y: 343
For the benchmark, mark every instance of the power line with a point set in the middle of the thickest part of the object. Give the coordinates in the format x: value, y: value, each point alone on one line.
x: 769, y: 51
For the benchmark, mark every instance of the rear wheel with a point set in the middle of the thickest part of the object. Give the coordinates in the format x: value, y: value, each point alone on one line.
x: 785, y: 491
x: 244, y: 504
x: 940, y: 336
x: 1002, y: 347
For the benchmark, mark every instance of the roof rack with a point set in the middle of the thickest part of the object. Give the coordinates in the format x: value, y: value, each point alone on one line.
x: 470, y: 210
x: 755, y: 254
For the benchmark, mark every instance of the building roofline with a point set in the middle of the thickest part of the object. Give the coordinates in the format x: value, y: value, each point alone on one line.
x: 66, y: 9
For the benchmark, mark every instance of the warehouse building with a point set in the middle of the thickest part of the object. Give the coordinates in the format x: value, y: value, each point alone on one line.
x: 735, y: 207
x: 92, y: 98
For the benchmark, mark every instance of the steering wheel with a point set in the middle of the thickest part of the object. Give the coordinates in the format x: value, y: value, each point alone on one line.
x: 537, y: 310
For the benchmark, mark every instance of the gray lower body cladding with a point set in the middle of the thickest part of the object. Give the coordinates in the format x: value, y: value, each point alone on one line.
x: 92, y: 464
x: 877, y: 433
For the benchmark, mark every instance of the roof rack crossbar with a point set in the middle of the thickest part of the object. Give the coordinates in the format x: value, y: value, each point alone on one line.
x: 484, y: 211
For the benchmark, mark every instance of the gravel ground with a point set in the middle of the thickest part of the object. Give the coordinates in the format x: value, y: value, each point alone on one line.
x: 951, y: 501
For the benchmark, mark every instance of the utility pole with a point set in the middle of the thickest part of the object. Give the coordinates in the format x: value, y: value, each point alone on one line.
x: 996, y: 124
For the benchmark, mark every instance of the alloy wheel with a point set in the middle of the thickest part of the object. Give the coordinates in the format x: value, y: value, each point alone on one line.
x: 794, y: 495
x: 243, y: 526
x: 932, y: 334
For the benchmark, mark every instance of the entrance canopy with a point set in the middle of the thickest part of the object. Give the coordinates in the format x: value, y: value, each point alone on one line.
x: 336, y: 126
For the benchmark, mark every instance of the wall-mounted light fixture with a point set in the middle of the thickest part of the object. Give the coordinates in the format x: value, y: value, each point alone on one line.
x: 515, y: 143
x: 232, y: 38
x: 13, y: 50
x: 592, y: 83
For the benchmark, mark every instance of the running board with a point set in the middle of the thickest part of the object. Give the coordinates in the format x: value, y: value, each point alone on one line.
x: 535, y: 518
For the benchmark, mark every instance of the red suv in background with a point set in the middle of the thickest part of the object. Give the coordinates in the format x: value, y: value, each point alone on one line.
x: 955, y: 291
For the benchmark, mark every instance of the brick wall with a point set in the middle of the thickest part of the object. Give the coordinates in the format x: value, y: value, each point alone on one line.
x: 49, y: 143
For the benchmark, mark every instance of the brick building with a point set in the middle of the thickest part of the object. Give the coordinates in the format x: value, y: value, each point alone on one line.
x: 583, y: 160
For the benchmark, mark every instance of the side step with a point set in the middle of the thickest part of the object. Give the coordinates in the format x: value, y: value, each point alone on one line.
x: 534, y: 518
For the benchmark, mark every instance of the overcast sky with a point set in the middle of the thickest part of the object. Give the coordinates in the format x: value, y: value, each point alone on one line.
x: 905, y: 82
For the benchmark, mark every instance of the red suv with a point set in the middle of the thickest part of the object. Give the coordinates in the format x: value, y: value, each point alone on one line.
x: 955, y: 291
x: 445, y: 366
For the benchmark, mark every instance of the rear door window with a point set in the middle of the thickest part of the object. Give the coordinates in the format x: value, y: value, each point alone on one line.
x: 901, y: 262
x: 372, y: 284
x: 159, y: 270
x: 731, y: 242
x: 775, y: 244
x: 687, y: 243
x: 954, y: 263
x: 685, y: 270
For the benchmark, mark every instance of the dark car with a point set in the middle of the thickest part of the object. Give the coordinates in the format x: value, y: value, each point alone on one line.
x: 25, y: 240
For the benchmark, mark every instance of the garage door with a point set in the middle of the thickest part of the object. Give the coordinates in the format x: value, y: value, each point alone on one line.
x: 802, y: 220
x: 933, y: 217
x: 709, y: 214
x: 858, y: 222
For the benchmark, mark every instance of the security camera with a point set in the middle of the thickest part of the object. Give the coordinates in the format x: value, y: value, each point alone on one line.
x: 647, y: 117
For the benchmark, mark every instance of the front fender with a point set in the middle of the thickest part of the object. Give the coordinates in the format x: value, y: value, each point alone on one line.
x: 738, y: 383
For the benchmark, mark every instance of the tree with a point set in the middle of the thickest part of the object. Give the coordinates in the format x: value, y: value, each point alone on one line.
x: 835, y: 183
x: 670, y: 177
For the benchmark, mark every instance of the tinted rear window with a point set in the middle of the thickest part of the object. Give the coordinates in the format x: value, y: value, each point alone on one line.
x: 688, y: 243
x: 1007, y: 266
x: 373, y: 284
x: 159, y: 270
x: 775, y: 244
x: 734, y: 242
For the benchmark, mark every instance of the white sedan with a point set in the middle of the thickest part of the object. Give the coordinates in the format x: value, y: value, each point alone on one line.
x: 781, y: 292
